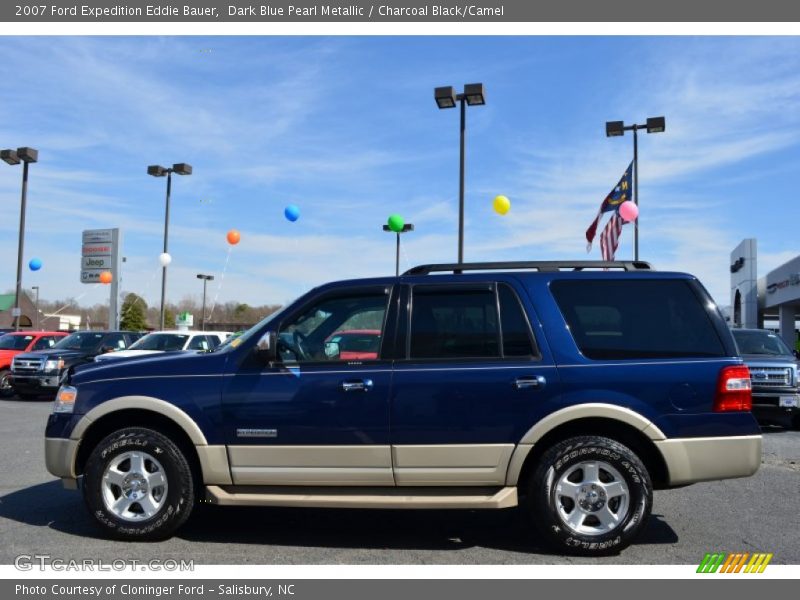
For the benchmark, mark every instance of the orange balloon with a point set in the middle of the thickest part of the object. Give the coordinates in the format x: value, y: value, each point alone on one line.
x: 106, y: 277
x: 233, y: 237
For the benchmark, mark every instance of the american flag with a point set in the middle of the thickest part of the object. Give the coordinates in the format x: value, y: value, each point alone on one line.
x: 609, y: 239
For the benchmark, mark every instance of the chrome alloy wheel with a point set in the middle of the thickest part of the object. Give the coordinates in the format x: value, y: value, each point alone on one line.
x: 134, y: 486
x: 592, y: 498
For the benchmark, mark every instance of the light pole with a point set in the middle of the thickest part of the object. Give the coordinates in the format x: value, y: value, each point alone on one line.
x: 36, y: 287
x: 406, y: 228
x: 13, y: 157
x: 159, y: 171
x: 206, y: 279
x: 446, y: 97
x: 618, y: 128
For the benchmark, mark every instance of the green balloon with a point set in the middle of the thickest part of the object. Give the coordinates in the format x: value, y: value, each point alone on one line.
x: 396, y: 223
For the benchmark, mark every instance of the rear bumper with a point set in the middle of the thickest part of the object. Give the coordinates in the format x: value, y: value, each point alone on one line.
x: 690, y: 460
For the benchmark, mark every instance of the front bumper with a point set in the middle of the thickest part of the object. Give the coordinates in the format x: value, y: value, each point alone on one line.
x: 35, y: 384
x: 690, y: 460
x: 59, y: 457
x: 767, y: 407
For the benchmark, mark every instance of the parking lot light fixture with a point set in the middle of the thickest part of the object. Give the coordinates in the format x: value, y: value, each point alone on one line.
x: 159, y: 171
x: 206, y: 279
x: 27, y: 156
x: 473, y: 95
x: 9, y: 156
x: 618, y: 128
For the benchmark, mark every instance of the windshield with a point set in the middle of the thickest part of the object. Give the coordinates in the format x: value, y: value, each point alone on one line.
x: 14, y: 342
x: 162, y: 342
x: 760, y: 342
x: 80, y: 340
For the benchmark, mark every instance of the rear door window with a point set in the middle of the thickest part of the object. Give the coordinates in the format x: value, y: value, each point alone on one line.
x: 637, y: 318
x: 453, y: 322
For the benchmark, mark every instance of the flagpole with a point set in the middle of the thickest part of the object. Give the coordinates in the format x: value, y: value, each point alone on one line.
x: 636, y: 193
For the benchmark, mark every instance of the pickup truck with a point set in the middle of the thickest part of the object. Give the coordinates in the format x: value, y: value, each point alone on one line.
x: 12, y: 344
x: 774, y: 375
x: 38, y: 373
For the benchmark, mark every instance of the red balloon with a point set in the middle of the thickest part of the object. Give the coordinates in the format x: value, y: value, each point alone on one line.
x: 234, y: 237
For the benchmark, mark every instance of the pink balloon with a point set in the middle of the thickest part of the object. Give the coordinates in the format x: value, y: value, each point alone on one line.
x: 628, y: 211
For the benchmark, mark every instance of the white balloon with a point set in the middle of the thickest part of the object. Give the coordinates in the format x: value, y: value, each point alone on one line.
x: 164, y: 258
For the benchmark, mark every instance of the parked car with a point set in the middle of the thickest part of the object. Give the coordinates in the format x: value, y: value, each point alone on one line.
x: 571, y: 388
x: 168, y: 341
x: 18, y: 342
x: 354, y: 344
x: 38, y: 373
x: 774, y: 374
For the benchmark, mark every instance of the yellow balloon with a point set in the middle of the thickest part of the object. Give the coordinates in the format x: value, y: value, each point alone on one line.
x: 501, y: 205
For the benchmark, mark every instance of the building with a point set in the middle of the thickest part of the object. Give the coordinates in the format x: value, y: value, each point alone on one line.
x: 774, y: 297
x: 27, y: 319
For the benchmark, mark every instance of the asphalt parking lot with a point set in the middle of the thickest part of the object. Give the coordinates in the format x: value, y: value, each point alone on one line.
x: 37, y: 516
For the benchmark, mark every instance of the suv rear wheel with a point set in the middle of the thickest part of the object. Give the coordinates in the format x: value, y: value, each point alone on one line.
x: 589, y: 495
x: 138, y: 485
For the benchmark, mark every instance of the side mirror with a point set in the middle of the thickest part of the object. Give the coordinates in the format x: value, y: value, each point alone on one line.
x: 332, y: 350
x: 267, y: 346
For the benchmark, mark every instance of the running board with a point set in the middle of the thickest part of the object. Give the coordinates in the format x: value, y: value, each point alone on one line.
x: 373, y: 497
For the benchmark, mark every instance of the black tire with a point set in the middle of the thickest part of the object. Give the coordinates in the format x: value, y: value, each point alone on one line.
x: 551, y: 509
x: 176, y: 503
x: 6, y: 391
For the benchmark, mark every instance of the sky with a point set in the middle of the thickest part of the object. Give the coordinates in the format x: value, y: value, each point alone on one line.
x: 347, y: 129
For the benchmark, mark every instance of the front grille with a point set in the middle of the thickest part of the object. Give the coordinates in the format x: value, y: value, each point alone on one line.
x: 771, y: 377
x: 26, y: 366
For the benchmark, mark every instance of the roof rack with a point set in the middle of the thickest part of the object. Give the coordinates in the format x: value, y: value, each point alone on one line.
x: 539, y: 265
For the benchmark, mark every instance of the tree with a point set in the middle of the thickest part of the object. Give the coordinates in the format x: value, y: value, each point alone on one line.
x: 133, y: 314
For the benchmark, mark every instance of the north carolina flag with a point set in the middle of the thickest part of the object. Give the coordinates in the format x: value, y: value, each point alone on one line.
x: 621, y: 192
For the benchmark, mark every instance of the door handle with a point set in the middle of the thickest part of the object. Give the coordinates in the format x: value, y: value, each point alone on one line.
x: 534, y: 382
x: 357, y: 385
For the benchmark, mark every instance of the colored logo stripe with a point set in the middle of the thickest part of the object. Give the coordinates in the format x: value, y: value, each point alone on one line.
x: 734, y: 562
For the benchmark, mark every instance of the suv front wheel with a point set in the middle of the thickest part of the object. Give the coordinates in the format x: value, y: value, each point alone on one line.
x: 138, y: 485
x: 589, y: 495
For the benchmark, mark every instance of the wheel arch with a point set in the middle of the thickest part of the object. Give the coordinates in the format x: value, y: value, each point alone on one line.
x: 96, y: 430
x: 623, y: 425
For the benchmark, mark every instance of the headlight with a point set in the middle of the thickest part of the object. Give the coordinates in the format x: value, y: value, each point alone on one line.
x: 54, y: 365
x: 65, y: 399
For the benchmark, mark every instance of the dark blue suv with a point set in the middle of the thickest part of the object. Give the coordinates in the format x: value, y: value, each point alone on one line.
x: 572, y: 389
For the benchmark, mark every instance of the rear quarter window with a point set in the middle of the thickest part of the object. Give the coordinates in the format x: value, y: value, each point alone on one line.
x: 637, y: 318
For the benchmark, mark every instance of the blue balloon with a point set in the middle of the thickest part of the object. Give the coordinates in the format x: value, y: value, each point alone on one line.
x: 292, y: 213
x: 35, y: 264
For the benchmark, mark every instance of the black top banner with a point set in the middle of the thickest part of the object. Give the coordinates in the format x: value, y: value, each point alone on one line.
x: 608, y: 11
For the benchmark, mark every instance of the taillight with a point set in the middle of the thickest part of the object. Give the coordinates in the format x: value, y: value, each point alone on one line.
x: 733, y: 389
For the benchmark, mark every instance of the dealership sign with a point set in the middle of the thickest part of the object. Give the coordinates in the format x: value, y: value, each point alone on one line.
x: 793, y: 279
x: 99, y: 252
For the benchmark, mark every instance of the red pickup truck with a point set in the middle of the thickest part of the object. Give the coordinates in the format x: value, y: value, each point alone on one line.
x: 16, y: 342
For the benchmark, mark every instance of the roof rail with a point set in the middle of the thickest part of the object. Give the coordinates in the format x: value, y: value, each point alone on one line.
x: 539, y: 265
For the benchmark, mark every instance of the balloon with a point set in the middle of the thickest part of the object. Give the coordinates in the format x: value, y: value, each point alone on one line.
x: 35, y: 264
x: 501, y: 205
x: 234, y: 237
x: 292, y: 213
x: 396, y: 223
x: 105, y: 277
x: 628, y: 211
x: 164, y: 258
